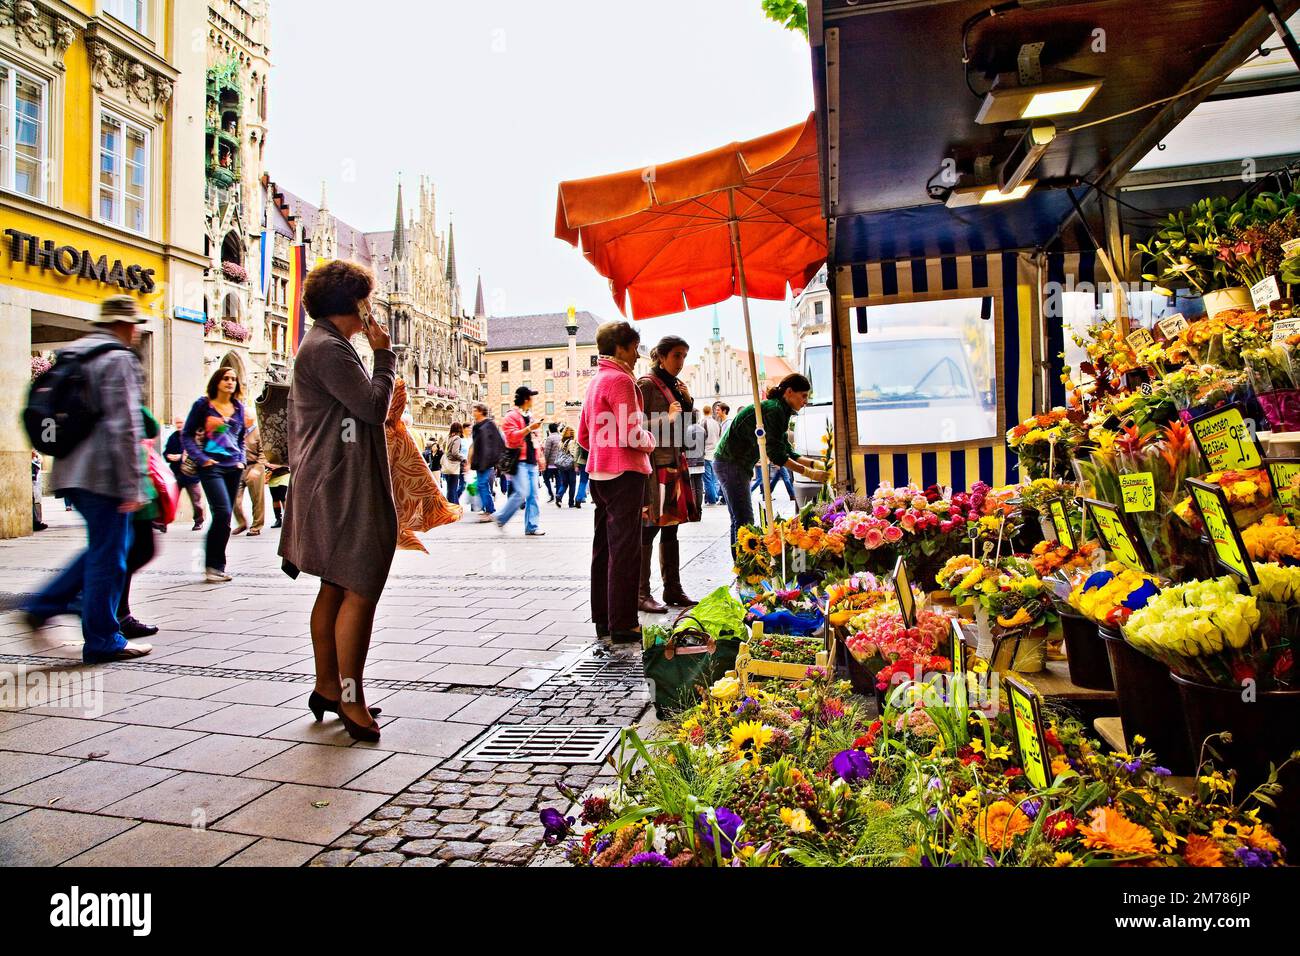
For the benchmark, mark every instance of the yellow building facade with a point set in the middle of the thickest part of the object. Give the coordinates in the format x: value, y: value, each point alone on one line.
x: 101, y: 193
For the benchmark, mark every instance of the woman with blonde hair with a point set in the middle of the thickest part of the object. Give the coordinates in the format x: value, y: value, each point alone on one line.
x: 566, y: 467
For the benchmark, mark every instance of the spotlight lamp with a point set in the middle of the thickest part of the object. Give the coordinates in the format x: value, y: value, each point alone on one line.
x: 1007, y: 103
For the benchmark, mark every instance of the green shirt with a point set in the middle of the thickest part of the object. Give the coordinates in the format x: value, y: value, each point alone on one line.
x: 740, y: 445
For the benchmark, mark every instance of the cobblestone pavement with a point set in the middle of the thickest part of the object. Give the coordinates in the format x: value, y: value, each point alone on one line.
x: 204, y: 754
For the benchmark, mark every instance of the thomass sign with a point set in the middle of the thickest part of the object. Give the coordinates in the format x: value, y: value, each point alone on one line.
x: 74, y: 263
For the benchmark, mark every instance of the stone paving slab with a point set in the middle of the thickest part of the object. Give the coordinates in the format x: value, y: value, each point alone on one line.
x: 204, y: 753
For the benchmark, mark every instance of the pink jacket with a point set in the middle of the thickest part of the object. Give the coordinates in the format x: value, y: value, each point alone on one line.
x: 515, y: 432
x: 612, y: 427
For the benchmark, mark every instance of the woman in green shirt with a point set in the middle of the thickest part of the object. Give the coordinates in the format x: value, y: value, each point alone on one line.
x: 737, y: 451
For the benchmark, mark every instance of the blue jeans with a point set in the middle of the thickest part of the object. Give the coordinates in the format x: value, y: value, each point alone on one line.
x: 711, y: 489
x: 455, y: 487
x: 523, y: 494
x: 735, y: 485
x: 583, y: 478
x: 97, y: 575
x: 486, y: 499
x: 776, y: 475
x: 566, y: 480
x: 221, y: 486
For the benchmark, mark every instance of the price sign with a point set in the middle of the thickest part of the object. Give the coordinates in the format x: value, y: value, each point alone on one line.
x: 1283, y: 329
x: 903, y: 590
x: 1139, y: 492
x: 1118, y: 537
x: 1138, y: 339
x: 1229, y: 550
x: 1061, y: 522
x: 1265, y: 292
x: 1226, y: 442
x: 1031, y: 739
x: 1173, y: 326
x: 1280, y: 473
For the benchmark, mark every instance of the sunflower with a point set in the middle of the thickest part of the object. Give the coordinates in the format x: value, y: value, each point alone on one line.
x: 750, y: 732
x: 1112, y: 831
x: 1202, y: 851
x: 1000, y: 823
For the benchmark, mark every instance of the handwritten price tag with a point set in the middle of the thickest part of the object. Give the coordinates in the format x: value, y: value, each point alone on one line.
x: 1138, y: 339
x: 1229, y: 549
x: 1265, y: 293
x: 1226, y: 441
x: 1281, y: 471
x: 1061, y: 522
x: 1139, y: 492
x: 1283, y: 329
x: 1173, y: 326
x: 1031, y: 741
x: 1117, y: 537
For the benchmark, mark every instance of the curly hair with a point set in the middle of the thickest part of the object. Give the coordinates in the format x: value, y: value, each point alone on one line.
x: 335, y: 288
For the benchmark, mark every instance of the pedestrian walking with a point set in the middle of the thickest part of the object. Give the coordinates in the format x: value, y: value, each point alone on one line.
x: 565, y: 464
x: 340, y: 521
x: 453, y: 463
x: 435, y: 459
x: 518, y: 429
x: 427, y: 454
x: 737, y: 451
x: 550, y: 450
x: 721, y: 414
x: 213, y: 437
x: 712, y: 432
x: 38, y: 511
x: 144, y: 531
x: 253, y: 481
x: 670, y: 499
x: 695, y: 460
x: 174, y: 452
x: 486, y: 448
x: 278, y: 484
x: 103, y: 479
x: 612, y: 430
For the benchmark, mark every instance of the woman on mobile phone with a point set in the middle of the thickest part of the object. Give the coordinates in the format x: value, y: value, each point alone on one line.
x: 339, y: 456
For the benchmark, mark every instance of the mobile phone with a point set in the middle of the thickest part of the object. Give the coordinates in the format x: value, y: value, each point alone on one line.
x: 366, y: 315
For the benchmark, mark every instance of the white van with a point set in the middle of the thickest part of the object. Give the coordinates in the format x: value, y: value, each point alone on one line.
x: 911, y: 384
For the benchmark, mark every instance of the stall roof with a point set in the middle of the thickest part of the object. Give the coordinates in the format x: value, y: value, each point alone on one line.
x: 893, y: 103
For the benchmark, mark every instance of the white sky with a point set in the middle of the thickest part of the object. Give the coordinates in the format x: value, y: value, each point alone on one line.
x: 500, y: 100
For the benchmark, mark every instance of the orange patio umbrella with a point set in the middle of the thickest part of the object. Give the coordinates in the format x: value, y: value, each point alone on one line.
x: 744, y: 219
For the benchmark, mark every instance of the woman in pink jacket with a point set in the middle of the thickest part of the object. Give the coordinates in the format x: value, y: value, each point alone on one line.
x: 612, y: 430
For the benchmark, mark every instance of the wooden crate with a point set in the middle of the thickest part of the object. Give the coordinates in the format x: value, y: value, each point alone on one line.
x: 747, y: 667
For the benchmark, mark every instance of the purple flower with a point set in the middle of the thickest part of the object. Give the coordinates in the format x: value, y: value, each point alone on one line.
x: 1163, y: 772
x: 1134, y: 765
x: 649, y: 859
x: 1248, y: 856
x: 934, y: 784
x: 601, y: 845
x: 1031, y: 808
x: 557, y: 825
x: 852, y: 766
x: 932, y: 812
x: 745, y: 706
x: 728, y: 825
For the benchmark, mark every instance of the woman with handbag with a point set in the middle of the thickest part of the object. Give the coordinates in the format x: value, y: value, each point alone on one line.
x: 565, y: 464
x: 670, y: 497
x: 214, y: 446
x: 453, y: 463
x: 188, y: 480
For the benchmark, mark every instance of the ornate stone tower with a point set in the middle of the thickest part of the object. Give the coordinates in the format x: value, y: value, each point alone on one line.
x: 239, y: 66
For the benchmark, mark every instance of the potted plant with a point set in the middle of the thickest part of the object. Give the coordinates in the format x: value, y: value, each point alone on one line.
x: 1184, y: 253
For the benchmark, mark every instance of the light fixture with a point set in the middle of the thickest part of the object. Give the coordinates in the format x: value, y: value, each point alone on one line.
x: 1009, y: 103
x: 1015, y: 169
x: 987, y: 195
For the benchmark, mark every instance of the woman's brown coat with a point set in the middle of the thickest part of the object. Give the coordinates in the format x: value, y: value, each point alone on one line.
x: 340, y: 523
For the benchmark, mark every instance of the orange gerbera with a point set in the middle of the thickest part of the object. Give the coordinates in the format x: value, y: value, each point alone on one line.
x: 1113, y: 832
x: 1000, y: 823
x: 1202, y: 851
x: 1260, y: 838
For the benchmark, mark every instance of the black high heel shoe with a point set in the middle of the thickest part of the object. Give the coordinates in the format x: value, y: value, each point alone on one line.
x: 318, y: 704
x: 366, y: 735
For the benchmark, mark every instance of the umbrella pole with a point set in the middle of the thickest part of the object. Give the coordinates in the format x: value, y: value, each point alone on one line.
x: 759, y: 429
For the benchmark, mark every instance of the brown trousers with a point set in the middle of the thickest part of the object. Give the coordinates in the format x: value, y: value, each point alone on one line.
x: 616, y: 552
x: 254, y: 480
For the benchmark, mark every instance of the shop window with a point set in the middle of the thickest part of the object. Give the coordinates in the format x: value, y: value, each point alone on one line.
x: 133, y: 13
x: 23, y: 133
x: 123, y: 173
x: 925, y: 373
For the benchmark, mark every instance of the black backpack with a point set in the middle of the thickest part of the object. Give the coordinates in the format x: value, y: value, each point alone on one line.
x: 61, y: 408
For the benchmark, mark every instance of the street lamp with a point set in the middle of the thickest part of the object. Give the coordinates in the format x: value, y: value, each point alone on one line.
x: 571, y: 325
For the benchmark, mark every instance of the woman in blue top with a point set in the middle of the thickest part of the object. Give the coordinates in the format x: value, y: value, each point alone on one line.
x: 214, y: 440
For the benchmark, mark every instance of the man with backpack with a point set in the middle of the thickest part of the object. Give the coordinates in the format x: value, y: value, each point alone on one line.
x: 86, y: 413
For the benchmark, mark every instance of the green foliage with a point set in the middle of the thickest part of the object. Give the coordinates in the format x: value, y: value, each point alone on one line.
x: 791, y: 14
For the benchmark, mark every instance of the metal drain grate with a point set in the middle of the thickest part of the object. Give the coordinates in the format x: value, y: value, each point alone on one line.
x: 547, y: 743
x: 605, y: 670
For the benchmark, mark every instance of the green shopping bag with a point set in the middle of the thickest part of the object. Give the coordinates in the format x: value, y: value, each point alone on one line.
x: 701, y: 648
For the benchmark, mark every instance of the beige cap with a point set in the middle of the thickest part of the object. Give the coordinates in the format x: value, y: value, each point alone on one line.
x: 119, y: 308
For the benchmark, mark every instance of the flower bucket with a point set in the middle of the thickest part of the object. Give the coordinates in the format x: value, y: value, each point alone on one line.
x: 1085, y: 653
x: 1224, y: 300
x: 1149, y: 705
x: 1023, y: 651
x: 1282, y: 409
x: 1264, y: 730
x: 966, y: 611
x: 941, y: 599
